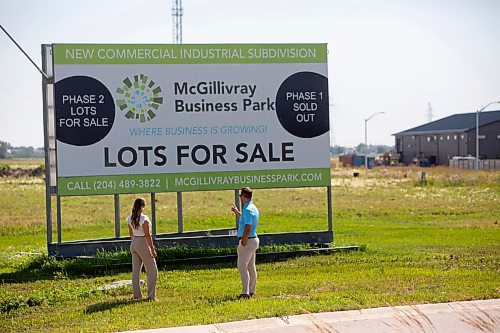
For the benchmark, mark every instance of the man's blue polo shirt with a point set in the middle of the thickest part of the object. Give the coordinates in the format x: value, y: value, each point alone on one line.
x: 249, y: 215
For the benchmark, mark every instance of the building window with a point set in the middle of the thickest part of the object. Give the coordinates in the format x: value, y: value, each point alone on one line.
x: 498, y: 136
x: 413, y: 137
x: 462, y: 136
x: 409, y: 145
x: 447, y: 137
x: 429, y: 138
x: 481, y: 136
x: 455, y: 137
x: 441, y: 138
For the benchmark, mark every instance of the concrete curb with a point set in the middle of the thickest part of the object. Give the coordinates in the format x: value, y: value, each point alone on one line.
x: 457, y: 317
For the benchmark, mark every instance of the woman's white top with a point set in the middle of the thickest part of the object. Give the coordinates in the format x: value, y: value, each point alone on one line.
x: 139, y: 231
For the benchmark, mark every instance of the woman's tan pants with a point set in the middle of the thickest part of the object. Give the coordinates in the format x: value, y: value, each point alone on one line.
x: 141, y: 255
x: 246, y: 265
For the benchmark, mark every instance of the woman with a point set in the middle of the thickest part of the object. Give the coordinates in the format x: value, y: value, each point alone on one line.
x: 142, y: 248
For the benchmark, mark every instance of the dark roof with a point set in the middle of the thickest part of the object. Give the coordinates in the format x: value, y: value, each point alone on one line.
x: 456, y: 123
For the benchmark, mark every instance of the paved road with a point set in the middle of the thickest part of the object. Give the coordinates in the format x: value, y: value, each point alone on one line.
x: 456, y: 317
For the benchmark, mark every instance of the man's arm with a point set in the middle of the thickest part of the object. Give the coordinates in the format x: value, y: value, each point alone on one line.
x: 246, y: 233
x: 235, y: 211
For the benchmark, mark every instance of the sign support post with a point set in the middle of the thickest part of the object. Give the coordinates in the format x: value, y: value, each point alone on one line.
x: 180, y: 222
x: 116, y: 200
x: 153, y: 215
x: 48, y: 195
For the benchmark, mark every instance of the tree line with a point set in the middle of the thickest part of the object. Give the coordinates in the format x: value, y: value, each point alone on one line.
x: 9, y: 151
x: 360, y: 149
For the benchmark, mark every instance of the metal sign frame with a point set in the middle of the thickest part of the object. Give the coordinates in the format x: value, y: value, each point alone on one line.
x: 206, y: 238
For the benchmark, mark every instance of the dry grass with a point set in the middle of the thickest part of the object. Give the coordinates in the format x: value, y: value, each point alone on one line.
x: 434, y: 243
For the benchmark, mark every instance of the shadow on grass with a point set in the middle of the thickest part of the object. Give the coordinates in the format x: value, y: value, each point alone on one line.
x: 103, y: 306
x: 50, y: 268
x: 43, y: 268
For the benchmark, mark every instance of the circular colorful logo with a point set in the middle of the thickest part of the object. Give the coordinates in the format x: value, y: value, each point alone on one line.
x: 139, y: 98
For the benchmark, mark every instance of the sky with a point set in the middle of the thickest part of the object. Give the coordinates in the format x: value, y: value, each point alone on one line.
x: 390, y: 56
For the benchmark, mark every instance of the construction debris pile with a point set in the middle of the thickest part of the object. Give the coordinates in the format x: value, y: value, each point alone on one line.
x: 6, y: 171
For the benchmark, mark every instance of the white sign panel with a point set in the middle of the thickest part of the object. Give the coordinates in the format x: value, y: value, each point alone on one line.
x: 157, y: 118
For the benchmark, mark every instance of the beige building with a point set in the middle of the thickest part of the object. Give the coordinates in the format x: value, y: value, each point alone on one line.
x: 435, y: 143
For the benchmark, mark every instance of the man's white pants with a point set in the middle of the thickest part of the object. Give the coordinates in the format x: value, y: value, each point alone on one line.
x: 246, y: 265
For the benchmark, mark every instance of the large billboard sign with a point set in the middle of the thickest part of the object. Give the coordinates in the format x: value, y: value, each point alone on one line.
x: 161, y: 118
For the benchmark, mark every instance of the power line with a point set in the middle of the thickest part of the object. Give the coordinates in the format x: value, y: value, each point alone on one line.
x: 26, y: 54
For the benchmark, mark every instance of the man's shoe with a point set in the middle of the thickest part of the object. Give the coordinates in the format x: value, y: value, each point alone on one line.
x: 244, y: 296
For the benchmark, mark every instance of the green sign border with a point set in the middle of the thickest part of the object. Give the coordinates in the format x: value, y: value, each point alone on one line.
x: 86, y: 54
x: 184, y: 182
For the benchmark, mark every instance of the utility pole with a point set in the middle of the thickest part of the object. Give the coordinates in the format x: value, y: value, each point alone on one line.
x: 429, y: 112
x: 177, y: 13
x: 333, y: 141
x: 366, y: 139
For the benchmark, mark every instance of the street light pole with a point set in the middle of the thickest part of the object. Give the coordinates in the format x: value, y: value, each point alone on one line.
x: 477, y: 131
x: 366, y: 139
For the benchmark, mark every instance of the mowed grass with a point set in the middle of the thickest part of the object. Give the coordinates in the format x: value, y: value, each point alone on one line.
x: 434, y: 243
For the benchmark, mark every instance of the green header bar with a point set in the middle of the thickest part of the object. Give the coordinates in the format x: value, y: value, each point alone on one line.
x: 184, y: 182
x: 188, y: 53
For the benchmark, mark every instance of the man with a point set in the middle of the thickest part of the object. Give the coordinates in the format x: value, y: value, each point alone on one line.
x: 248, y: 219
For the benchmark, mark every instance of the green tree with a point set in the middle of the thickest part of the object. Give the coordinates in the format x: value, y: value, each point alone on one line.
x: 337, y: 150
x: 3, y: 149
x: 384, y: 149
x: 361, y: 148
x: 22, y: 152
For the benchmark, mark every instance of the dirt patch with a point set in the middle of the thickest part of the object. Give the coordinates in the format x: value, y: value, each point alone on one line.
x: 18, y: 172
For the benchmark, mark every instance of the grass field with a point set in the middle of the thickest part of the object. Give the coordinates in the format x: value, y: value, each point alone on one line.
x: 433, y: 243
